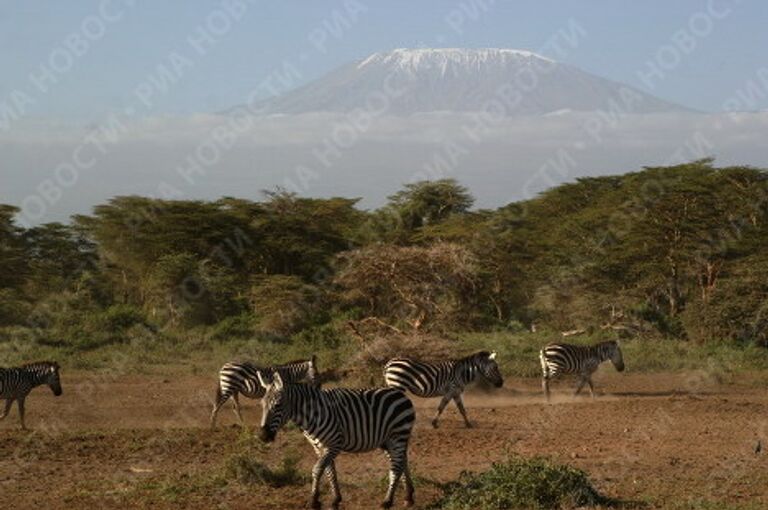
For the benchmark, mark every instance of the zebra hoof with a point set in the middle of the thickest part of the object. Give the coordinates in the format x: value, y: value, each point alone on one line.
x: 409, y: 502
x: 386, y: 504
x: 315, y: 504
x: 434, y: 424
x: 469, y: 425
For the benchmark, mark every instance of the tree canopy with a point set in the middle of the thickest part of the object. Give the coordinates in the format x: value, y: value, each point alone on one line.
x: 673, y: 251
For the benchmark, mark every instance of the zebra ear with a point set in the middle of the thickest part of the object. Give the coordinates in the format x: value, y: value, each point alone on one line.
x: 278, y: 380
x: 263, y: 383
x: 492, y: 355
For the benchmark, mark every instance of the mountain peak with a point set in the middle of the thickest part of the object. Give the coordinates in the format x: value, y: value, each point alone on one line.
x: 413, y: 58
x: 407, y: 81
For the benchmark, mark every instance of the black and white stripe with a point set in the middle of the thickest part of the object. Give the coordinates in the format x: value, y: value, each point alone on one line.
x: 343, y: 420
x: 16, y: 383
x: 445, y: 378
x: 241, y: 378
x: 581, y: 360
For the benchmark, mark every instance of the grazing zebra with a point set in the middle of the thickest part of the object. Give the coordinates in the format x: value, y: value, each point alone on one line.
x: 343, y: 420
x: 581, y: 360
x: 237, y: 379
x: 444, y: 378
x: 16, y: 383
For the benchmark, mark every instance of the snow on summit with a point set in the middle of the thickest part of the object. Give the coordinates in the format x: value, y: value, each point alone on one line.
x: 442, y: 57
x: 405, y: 82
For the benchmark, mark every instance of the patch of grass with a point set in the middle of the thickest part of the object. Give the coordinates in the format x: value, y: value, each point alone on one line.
x: 245, y: 467
x: 519, y: 483
x: 248, y: 470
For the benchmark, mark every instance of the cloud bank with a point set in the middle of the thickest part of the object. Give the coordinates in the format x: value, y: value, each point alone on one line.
x: 54, y: 170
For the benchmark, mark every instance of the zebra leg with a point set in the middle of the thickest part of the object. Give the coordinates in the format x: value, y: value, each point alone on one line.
x: 326, y: 459
x: 582, y: 382
x: 460, y: 404
x: 398, y: 464
x: 591, y: 388
x: 408, y: 487
x: 8, y: 404
x: 236, y: 400
x: 21, y: 413
x: 333, y: 481
x: 545, y: 386
x: 440, y: 408
x: 221, y: 398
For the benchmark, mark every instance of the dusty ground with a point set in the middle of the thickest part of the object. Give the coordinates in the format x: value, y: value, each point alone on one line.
x: 662, y: 440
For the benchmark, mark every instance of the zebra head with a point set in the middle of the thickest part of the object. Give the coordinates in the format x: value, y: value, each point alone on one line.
x: 50, y: 377
x: 273, y: 413
x: 614, y: 354
x: 486, y: 362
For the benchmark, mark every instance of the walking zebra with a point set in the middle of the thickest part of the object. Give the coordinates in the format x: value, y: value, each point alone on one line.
x: 445, y: 378
x: 343, y: 420
x: 16, y: 383
x: 581, y: 360
x: 237, y: 379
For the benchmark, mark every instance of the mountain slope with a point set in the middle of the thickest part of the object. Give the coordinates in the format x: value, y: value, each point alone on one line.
x: 410, y: 81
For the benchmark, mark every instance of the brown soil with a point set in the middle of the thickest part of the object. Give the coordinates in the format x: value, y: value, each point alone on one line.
x: 133, y: 441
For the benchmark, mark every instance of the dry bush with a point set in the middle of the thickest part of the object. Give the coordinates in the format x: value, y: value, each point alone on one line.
x: 414, y: 284
x: 366, y: 366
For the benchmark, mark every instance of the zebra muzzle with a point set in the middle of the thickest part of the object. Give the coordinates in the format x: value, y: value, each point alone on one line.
x: 266, y: 435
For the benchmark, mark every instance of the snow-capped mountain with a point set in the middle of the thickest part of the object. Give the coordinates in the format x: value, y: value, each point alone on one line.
x: 410, y: 81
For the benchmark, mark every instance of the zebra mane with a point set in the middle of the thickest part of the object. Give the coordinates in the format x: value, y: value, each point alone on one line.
x: 476, y: 355
x: 40, y: 364
x: 293, y: 362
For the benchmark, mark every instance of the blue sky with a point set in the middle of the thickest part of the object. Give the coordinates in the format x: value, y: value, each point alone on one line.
x: 621, y: 37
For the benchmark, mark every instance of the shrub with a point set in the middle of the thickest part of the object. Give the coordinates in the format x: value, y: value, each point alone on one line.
x: 285, y: 304
x: 520, y: 483
x: 118, y: 318
x: 237, y: 326
x: 434, y: 285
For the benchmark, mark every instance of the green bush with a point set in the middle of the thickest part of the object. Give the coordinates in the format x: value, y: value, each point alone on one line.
x: 237, y: 326
x: 520, y: 483
x: 118, y: 318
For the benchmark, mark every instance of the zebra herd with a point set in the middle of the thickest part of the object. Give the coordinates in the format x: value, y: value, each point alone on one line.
x: 358, y: 420
x: 347, y: 419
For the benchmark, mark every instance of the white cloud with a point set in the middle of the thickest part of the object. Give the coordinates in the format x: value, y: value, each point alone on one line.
x: 332, y: 154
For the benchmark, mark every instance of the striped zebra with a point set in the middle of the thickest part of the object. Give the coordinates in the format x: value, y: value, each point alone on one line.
x: 16, y: 383
x: 237, y: 379
x: 580, y: 360
x: 445, y: 378
x: 343, y: 420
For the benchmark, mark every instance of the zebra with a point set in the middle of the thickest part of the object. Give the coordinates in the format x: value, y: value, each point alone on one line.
x: 241, y: 378
x: 445, y: 378
x: 343, y: 420
x: 581, y: 360
x: 17, y: 382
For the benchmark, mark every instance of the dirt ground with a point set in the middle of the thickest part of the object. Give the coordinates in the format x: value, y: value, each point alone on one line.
x: 134, y: 441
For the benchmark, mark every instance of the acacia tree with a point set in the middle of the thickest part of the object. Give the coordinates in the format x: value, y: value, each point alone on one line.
x: 299, y: 236
x: 421, y: 204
